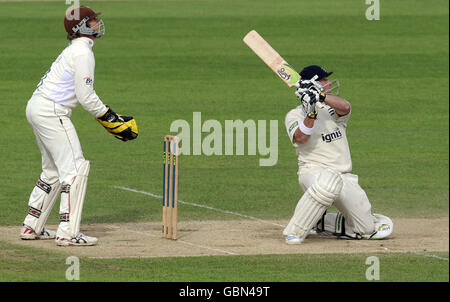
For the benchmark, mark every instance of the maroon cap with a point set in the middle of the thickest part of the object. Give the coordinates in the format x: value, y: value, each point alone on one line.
x: 76, y: 15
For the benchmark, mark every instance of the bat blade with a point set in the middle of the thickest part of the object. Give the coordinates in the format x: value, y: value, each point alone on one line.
x: 272, y: 58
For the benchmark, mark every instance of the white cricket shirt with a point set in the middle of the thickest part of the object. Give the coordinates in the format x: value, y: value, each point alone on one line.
x: 70, y: 79
x: 328, y: 145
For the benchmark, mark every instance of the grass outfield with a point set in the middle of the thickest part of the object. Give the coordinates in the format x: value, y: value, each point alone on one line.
x: 25, y: 264
x: 163, y: 60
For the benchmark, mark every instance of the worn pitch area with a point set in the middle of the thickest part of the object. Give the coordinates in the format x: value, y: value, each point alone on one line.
x: 236, y: 237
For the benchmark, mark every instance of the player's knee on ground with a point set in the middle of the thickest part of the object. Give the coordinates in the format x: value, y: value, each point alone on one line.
x: 384, y: 227
x: 380, y: 227
x: 336, y: 224
x: 314, y: 203
x: 364, y: 228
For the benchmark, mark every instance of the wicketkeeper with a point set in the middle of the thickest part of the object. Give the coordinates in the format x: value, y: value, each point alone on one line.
x: 68, y: 82
x: 317, y: 130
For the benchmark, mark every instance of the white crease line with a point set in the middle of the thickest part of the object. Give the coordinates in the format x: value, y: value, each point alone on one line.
x: 207, y: 247
x: 429, y: 255
x: 122, y: 257
x: 182, y: 241
x: 201, y: 206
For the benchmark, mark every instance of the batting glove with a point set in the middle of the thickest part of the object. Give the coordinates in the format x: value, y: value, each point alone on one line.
x: 309, y: 100
x: 304, y: 85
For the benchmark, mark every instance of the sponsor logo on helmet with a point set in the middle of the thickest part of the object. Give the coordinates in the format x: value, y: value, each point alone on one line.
x: 78, y: 26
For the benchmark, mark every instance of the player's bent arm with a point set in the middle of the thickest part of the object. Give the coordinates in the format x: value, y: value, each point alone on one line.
x: 299, y: 136
x: 84, y: 85
x: 340, y: 105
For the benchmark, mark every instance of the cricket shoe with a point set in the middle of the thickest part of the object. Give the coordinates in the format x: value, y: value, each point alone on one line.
x: 293, y: 239
x: 27, y: 233
x: 313, y: 232
x: 80, y: 240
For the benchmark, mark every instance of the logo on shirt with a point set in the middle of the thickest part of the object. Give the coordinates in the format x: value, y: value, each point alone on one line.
x: 88, y: 80
x: 293, y: 126
x: 332, y: 136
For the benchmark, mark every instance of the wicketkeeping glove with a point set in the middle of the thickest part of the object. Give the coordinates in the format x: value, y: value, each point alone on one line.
x: 121, y: 127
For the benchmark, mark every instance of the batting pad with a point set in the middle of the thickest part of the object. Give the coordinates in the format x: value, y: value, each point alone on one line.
x: 41, y: 203
x: 76, y: 198
x: 310, y: 208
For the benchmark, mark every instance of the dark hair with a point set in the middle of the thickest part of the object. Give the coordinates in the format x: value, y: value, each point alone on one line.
x: 72, y: 36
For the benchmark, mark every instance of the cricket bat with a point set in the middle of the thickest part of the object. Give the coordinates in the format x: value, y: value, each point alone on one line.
x: 272, y: 58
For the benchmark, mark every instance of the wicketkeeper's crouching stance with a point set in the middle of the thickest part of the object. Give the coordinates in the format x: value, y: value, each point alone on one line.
x: 317, y: 129
x: 69, y: 81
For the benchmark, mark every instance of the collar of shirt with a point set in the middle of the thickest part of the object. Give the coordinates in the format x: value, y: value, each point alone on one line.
x: 85, y: 40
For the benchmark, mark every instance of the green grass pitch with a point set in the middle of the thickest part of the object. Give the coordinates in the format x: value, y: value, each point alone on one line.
x: 163, y: 60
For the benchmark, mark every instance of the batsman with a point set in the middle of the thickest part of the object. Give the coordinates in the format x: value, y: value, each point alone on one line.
x: 68, y: 82
x: 317, y: 130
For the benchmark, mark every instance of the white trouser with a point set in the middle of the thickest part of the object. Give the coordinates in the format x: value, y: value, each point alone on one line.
x: 352, y: 201
x: 60, y: 148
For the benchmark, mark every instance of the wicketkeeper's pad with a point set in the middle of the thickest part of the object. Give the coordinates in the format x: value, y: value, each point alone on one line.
x: 77, y: 192
x: 41, y: 203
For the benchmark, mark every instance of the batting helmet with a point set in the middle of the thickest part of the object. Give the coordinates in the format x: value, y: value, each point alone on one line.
x: 310, y: 71
x: 76, y: 23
